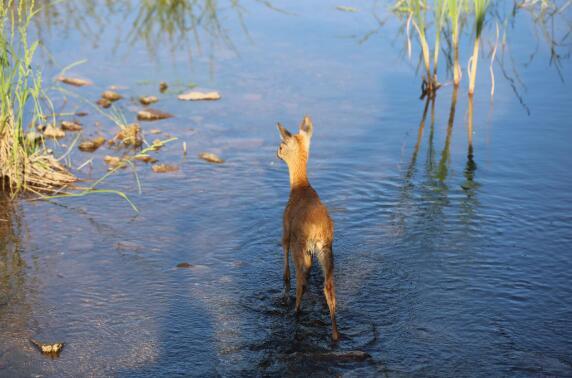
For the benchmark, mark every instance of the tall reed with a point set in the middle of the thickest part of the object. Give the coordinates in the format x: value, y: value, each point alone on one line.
x: 480, y: 9
x: 440, y: 8
x: 453, y: 9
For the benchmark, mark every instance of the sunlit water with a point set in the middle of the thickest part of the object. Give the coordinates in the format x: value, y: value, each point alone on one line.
x: 444, y: 266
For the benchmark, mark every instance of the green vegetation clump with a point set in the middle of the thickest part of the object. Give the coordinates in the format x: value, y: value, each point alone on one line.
x: 25, y: 163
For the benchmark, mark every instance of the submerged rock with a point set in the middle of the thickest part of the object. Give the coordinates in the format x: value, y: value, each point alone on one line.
x: 152, y: 115
x: 71, y: 126
x: 211, y: 158
x: 148, y: 100
x: 77, y: 82
x: 184, y: 265
x: 199, y: 96
x: 91, y: 145
x: 111, y: 96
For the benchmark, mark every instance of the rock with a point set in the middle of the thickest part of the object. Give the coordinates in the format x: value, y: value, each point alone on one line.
x: 184, y: 265
x: 111, y: 96
x: 199, y: 96
x: 152, y: 115
x: 74, y: 81
x: 148, y: 100
x: 164, y: 168
x: 104, y: 103
x: 211, y: 158
x: 91, y: 145
x: 53, y: 132
x: 163, y: 87
x: 71, y: 126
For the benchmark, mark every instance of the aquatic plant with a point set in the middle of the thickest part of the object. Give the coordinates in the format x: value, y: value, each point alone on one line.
x: 25, y: 163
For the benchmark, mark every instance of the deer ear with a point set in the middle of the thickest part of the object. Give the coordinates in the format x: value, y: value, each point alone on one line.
x: 284, y: 134
x: 306, y: 127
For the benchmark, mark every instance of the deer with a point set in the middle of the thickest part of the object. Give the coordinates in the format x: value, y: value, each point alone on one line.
x: 308, y: 229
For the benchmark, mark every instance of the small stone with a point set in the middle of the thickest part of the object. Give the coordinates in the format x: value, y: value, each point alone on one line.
x: 152, y: 115
x: 53, y: 132
x: 211, y: 158
x: 71, y: 126
x: 111, y: 96
x: 91, y: 145
x: 148, y: 100
x: 164, y: 168
x: 77, y: 82
x: 199, y: 96
x: 104, y: 103
x: 146, y: 158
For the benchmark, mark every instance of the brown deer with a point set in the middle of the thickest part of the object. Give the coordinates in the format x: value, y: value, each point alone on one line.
x: 308, y: 228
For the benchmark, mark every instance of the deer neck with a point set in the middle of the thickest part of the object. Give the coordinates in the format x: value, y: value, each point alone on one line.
x: 298, y: 174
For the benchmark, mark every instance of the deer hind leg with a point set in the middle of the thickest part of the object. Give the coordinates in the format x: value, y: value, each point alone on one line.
x: 303, y: 262
x: 326, y: 258
x: 286, y: 247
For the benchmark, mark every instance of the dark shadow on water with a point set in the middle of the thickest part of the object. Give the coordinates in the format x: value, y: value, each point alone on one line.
x: 293, y: 345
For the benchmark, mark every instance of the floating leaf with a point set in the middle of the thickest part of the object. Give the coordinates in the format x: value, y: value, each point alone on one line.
x: 199, y: 96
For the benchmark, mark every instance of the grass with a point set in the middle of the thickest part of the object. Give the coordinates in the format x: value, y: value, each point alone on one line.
x: 25, y: 163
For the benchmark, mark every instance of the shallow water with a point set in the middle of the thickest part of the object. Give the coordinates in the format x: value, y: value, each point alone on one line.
x: 444, y: 265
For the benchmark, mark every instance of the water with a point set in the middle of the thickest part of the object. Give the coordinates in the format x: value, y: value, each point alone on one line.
x: 444, y: 266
